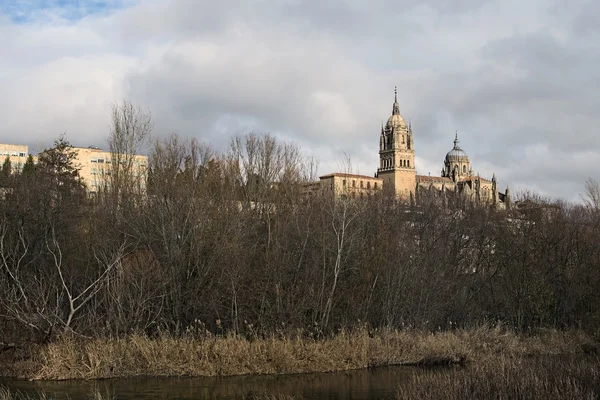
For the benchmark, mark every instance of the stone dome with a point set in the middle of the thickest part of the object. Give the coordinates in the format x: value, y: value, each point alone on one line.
x: 396, y: 121
x: 456, y: 154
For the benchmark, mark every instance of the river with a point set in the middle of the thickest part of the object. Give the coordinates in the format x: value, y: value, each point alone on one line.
x: 374, y: 383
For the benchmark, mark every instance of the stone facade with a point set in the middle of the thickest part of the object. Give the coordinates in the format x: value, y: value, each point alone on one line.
x: 351, y: 185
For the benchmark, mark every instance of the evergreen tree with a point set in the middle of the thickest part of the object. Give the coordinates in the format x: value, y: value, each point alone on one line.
x: 6, y: 166
x: 58, y: 175
x: 29, y: 166
x: 5, y: 172
x: 60, y: 160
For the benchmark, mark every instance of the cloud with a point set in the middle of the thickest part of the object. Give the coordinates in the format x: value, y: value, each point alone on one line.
x: 518, y: 86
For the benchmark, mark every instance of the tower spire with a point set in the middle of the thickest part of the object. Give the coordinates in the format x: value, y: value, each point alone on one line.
x: 456, y: 139
x: 396, y: 109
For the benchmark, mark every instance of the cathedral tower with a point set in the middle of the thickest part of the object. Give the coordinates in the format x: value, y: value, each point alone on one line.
x: 397, y: 155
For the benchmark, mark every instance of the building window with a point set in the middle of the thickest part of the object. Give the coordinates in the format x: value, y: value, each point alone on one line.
x: 353, y: 184
x: 375, y: 185
x: 100, y: 161
x: 94, y: 160
x: 21, y: 154
x: 361, y: 184
x: 464, y: 169
x: 344, y: 182
x: 408, y: 163
x: 368, y: 185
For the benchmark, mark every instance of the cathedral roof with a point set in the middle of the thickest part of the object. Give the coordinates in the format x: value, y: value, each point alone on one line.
x: 474, y: 179
x: 427, y: 178
x: 344, y: 175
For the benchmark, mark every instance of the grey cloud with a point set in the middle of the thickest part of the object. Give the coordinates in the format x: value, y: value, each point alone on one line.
x: 322, y: 74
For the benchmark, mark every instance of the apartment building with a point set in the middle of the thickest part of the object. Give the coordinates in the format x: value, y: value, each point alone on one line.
x: 16, y: 153
x: 95, y: 167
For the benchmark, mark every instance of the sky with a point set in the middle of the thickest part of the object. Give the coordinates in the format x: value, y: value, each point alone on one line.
x: 518, y: 80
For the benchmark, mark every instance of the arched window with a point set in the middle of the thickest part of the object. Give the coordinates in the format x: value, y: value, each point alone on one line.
x: 464, y: 169
x: 368, y: 185
x: 408, y: 163
x: 375, y: 185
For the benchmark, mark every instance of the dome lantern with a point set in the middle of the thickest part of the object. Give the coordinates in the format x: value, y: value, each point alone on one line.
x: 395, y: 120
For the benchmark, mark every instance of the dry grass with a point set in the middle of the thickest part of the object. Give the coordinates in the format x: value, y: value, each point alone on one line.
x: 499, y: 378
x: 137, y: 355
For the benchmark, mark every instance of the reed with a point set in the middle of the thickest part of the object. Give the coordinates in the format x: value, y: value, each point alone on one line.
x: 139, y: 355
x: 503, y: 377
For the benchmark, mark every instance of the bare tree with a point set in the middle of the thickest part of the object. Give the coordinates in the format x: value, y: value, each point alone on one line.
x: 130, y: 132
x: 76, y: 299
x: 341, y: 214
x: 591, y: 198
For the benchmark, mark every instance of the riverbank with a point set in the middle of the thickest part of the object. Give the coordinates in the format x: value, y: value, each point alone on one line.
x: 136, y: 355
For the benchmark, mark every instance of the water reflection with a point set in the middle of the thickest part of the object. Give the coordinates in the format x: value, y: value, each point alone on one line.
x: 377, y: 383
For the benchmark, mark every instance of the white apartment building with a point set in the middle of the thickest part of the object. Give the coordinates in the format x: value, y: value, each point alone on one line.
x: 95, y: 167
x: 16, y: 153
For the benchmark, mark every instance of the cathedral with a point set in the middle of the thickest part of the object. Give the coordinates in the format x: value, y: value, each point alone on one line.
x: 397, y: 173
